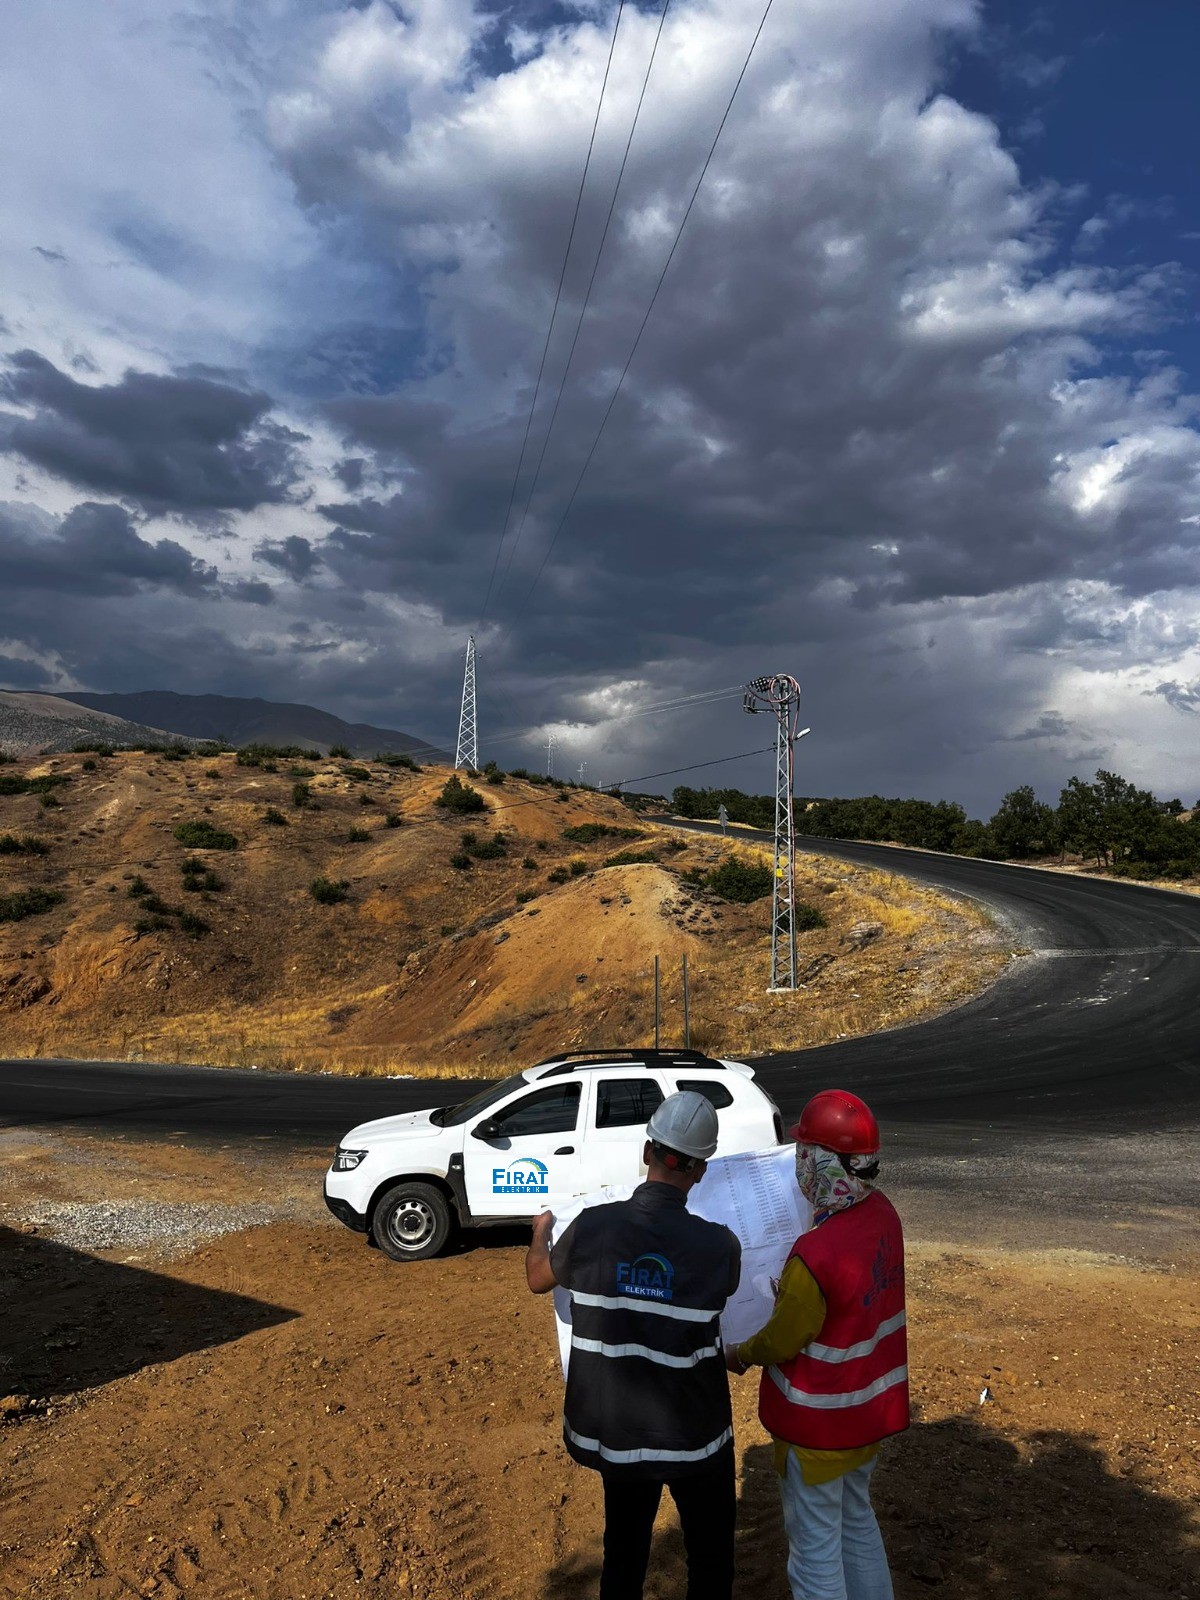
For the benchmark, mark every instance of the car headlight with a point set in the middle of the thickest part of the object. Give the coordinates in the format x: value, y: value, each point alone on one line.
x: 347, y: 1160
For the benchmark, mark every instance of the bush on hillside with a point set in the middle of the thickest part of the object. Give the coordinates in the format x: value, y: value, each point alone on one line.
x: 459, y: 796
x: 578, y: 867
x: 267, y: 755
x: 807, y: 917
x: 393, y: 820
x: 557, y: 875
x: 49, y: 801
x: 27, y: 903
x: 26, y: 844
x: 92, y: 747
x: 13, y: 783
x: 203, y: 836
x: 740, y: 881
x: 461, y: 860
x: 358, y: 836
x: 328, y: 892
x: 339, y: 752
x: 589, y: 832
x: 301, y: 772
x: 484, y: 849
x: 145, y: 925
x: 195, y: 927
x: 87, y: 766
x: 365, y: 799
x: 390, y: 759
x: 301, y: 795
x: 632, y: 858
x: 358, y: 774
x: 274, y: 818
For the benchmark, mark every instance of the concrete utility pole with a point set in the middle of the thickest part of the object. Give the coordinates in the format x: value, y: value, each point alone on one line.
x: 722, y: 818
x: 466, y: 753
x: 780, y: 695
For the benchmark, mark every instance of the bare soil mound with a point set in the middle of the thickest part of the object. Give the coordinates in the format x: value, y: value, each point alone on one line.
x: 329, y: 913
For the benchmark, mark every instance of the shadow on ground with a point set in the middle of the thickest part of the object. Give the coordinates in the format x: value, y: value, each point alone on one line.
x: 72, y: 1321
x: 966, y: 1515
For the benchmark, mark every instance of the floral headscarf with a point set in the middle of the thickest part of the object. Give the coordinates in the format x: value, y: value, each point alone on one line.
x: 831, y: 1182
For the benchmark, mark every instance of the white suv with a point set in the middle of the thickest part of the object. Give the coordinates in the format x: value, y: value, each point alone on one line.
x: 566, y: 1127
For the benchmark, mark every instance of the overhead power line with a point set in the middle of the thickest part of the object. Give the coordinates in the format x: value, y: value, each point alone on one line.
x: 537, y: 472
x: 612, y: 44
x: 649, y: 309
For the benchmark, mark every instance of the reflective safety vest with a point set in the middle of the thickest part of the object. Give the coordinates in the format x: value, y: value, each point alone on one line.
x: 848, y: 1387
x: 647, y: 1392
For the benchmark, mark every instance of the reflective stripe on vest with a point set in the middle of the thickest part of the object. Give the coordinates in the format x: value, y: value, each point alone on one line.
x: 629, y: 1458
x: 836, y: 1402
x: 656, y: 1308
x: 864, y: 1347
x: 596, y: 1347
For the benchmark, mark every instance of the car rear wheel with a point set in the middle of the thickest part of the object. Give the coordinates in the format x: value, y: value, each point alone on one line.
x: 412, y: 1222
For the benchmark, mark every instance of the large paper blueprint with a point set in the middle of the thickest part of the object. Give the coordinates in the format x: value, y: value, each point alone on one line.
x: 755, y: 1195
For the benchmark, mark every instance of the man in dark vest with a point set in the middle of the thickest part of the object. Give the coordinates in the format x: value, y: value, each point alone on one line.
x: 834, y: 1354
x: 647, y: 1399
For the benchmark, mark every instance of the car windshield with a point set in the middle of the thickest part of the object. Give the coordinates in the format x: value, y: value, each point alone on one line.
x: 452, y: 1116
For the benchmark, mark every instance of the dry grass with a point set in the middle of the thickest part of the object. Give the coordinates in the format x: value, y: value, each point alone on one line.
x: 426, y: 969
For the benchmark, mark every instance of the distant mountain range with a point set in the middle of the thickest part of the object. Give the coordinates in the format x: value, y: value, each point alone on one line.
x: 240, y: 721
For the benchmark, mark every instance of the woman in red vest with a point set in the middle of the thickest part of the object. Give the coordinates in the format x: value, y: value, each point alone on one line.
x: 834, y: 1356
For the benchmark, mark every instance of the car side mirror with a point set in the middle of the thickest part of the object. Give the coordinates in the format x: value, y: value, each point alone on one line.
x: 489, y: 1128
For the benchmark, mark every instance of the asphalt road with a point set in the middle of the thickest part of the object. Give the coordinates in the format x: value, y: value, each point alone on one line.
x: 1093, y: 1032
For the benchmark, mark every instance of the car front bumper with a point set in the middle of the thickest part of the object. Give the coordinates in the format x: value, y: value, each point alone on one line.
x: 345, y: 1212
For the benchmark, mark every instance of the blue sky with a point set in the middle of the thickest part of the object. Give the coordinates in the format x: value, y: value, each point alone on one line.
x: 914, y: 417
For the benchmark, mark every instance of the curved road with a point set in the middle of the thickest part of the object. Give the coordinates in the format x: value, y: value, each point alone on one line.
x: 1095, y: 1030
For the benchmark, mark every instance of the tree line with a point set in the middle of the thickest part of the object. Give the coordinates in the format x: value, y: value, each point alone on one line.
x: 1110, y: 822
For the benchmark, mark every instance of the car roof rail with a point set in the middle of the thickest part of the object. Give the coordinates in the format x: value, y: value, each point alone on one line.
x: 571, y: 1060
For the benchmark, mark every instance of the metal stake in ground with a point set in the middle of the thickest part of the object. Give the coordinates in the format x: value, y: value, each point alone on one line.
x: 466, y: 752
x: 780, y: 695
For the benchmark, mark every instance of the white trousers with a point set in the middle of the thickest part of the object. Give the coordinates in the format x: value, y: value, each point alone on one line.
x: 835, y: 1551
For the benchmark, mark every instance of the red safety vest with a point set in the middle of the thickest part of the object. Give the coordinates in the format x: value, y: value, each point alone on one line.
x: 849, y: 1387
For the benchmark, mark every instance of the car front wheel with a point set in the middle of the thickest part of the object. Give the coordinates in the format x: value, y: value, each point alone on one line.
x: 412, y: 1222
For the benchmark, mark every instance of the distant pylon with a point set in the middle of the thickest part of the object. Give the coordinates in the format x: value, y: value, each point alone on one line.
x: 550, y: 743
x: 466, y: 753
x: 780, y: 694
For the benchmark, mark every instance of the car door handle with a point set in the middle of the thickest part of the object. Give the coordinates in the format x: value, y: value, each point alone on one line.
x: 565, y: 1150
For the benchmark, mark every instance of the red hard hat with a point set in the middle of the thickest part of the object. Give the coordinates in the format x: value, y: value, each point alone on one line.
x: 838, y: 1120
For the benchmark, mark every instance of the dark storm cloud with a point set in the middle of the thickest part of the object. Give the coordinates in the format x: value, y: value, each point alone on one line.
x: 94, y: 550
x: 1183, y: 696
x: 349, y: 473
x: 252, y: 590
x: 1050, y: 725
x: 190, y: 442
x: 294, y: 556
x: 49, y: 255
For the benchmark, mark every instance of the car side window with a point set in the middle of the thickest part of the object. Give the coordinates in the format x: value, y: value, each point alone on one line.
x: 626, y: 1102
x: 717, y: 1095
x: 554, y: 1110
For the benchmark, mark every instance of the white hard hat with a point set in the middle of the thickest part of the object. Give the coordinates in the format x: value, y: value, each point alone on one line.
x: 685, y: 1122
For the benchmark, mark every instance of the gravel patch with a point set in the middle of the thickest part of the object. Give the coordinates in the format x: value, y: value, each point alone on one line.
x: 167, y: 1227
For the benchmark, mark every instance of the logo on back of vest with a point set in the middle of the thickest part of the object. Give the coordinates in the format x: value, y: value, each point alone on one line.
x: 886, y: 1272
x: 649, y: 1277
x: 526, y: 1175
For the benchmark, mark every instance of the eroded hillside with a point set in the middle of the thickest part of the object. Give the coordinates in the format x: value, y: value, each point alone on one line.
x: 347, y: 921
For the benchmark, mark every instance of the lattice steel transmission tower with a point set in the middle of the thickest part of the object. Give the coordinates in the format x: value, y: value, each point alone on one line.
x: 466, y: 753
x: 780, y: 695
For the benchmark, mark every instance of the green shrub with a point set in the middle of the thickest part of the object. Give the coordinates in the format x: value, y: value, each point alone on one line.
x: 459, y: 796
x: 91, y: 747
x: 557, y: 875
x: 212, y: 772
x: 138, y: 887
x: 631, y: 858
x: 301, y: 795
x: 49, y: 801
x: 807, y: 917
x: 589, y: 832
x: 203, y: 836
x: 393, y: 820
x: 562, y: 796
x: 87, y: 766
x: 390, y: 759
x: 156, y: 905
x: 578, y: 867
x: 493, y: 773
x: 359, y: 774
x: 47, y: 782
x: 27, y: 903
x: 461, y: 860
x: 196, y: 882
x: 339, y: 752
x: 447, y: 929
x: 274, y: 818
x: 266, y: 755
x: 195, y: 927
x: 328, y: 892
x: 365, y: 799
x: 524, y: 896
x: 301, y: 772
x: 529, y: 864
x: 484, y: 849
x: 741, y: 881
x: 145, y: 925
x: 13, y: 783
x: 27, y: 844
x: 358, y: 836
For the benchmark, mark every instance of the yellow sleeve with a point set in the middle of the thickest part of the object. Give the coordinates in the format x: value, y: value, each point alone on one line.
x: 797, y: 1319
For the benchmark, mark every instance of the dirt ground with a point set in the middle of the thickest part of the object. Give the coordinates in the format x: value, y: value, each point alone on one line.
x: 283, y: 1414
